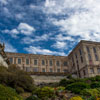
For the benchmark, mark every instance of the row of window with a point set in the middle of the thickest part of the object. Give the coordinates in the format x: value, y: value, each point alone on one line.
x: 35, y: 69
x: 36, y: 62
x: 95, y: 54
x: 92, y: 71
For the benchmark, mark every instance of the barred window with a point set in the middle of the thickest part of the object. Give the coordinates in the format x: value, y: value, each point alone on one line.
x: 80, y: 51
x: 11, y: 60
x: 27, y: 61
x: 58, y: 70
x: 50, y: 63
x: 65, y: 63
x: 57, y: 63
x: 43, y: 69
x: 98, y: 70
x: 43, y: 62
x: 35, y: 62
x: 19, y: 61
x: 88, y: 50
x: 35, y: 69
x: 91, y: 70
x: 94, y: 49
x: 51, y: 70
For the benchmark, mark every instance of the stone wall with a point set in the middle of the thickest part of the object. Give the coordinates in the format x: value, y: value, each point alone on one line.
x: 38, y: 79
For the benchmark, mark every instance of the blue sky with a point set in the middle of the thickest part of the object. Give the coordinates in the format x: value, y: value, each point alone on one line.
x: 51, y: 27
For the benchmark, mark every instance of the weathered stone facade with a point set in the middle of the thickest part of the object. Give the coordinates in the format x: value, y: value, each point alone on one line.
x: 39, y: 63
x: 83, y: 61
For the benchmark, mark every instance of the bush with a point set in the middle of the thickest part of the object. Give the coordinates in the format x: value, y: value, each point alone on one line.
x: 97, y: 78
x: 65, y: 82
x: 60, y: 89
x: 77, y: 87
x: 95, y: 85
x: 34, y: 97
x: 44, y: 93
x: 76, y: 98
x: 15, y: 78
x: 19, y: 90
x: 7, y: 93
x: 90, y: 92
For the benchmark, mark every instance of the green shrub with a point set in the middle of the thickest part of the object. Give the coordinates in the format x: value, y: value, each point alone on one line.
x: 60, y: 89
x: 19, y: 90
x: 15, y: 77
x: 90, y: 92
x: 34, y: 97
x: 77, y: 87
x: 97, y: 78
x: 95, y: 85
x: 44, y: 93
x: 76, y: 98
x: 65, y: 82
x: 7, y: 93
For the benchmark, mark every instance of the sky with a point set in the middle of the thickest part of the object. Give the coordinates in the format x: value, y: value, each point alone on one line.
x: 49, y: 27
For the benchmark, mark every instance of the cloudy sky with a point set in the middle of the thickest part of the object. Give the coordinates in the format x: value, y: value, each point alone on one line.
x: 51, y: 27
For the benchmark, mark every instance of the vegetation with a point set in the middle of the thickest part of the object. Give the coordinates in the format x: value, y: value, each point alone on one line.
x: 7, y: 93
x: 76, y: 98
x: 16, y: 78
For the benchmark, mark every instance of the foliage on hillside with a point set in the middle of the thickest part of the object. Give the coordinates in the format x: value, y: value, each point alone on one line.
x: 7, y: 93
x: 16, y: 78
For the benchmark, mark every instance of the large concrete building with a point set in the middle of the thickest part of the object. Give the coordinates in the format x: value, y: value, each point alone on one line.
x: 83, y: 61
x: 39, y: 63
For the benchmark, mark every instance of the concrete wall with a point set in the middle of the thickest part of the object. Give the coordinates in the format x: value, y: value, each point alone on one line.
x: 2, y: 62
x: 46, y: 79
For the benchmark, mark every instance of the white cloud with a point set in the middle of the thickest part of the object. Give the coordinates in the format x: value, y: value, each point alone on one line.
x: 26, y: 29
x: 3, y: 2
x: 83, y: 17
x: 23, y: 28
x: 61, y: 37
x: 13, y: 32
x: 60, y: 45
x: 9, y: 48
x: 28, y: 40
x: 39, y: 50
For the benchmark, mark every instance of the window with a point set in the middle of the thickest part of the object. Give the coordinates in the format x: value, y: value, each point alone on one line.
x: 98, y: 69
x: 27, y: 61
x: 57, y: 63
x: 89, y: 57
x: 80, y: 51
x: 43, y: 69
x: 65, y: 70
x: 91, y: 70
x: 43, y: 62
x: 28, y: 69
x: 81, y: 59
x: 58, y: 70
x: 50, y: 62
x: 76, y: 55
x: 35, y: 69
x: 94, y: 49
x: 19, y: 61
x: 84, y: 72
x: 88, y: 50
x: 51, y: 70
x: 96, y: 57
x: 65, y: 63
x: 11, y: 60
x: 35, y: 62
